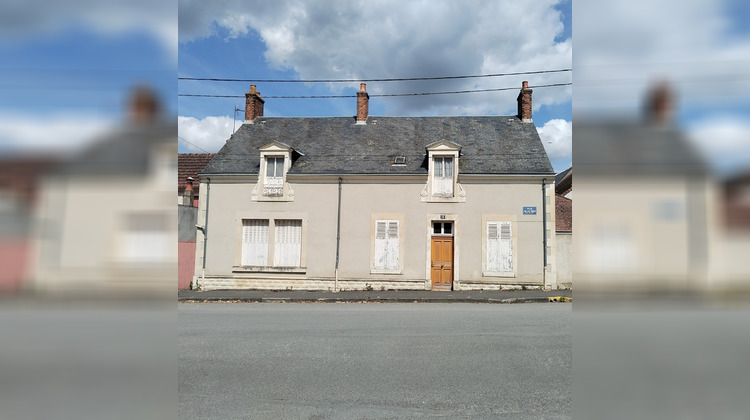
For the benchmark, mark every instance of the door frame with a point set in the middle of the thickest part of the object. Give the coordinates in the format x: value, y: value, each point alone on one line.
x: 441, y: 217
x: 432, y: 262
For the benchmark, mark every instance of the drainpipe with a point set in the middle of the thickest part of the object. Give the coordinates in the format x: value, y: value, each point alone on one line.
x: 338, y: 241
x: 205, y: 231
x: 544, y: 228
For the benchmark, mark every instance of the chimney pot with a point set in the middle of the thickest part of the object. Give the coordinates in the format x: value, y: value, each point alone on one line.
x: 363, y: 100
x: 524, y: 103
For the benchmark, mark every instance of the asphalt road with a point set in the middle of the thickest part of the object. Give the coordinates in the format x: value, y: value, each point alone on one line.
x: 347, y: 361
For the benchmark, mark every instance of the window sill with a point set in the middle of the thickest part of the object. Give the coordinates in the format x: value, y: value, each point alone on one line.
x: 381, y: 271
x: 257, y: 269
x: 498, y: 274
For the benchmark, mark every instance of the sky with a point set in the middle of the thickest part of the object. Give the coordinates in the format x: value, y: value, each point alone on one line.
x: 700, y: 48
x: 355, y: 40
x: 67, y: 66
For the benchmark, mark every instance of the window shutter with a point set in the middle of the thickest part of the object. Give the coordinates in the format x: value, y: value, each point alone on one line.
x: 255, y: 242
x: 442, y: 177
x: 288, y: 247
x: 386, y: 245
x: 499, y: 247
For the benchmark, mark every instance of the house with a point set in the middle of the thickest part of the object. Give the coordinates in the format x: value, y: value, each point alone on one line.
x: 564, y: 226
x: 734, y: 234
x: 106, y: 220
x: 19, y: 186
x: 188, y: 166
x: 645, y: 204
x: 366, y: 202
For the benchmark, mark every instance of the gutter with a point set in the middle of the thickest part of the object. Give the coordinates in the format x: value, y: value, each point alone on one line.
x: 544, y: 229
x: 338, y: 241
x: 204, y: 230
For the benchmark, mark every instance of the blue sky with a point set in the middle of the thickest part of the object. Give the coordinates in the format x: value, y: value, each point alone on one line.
x: 341, y: 40
x: 701, y: 48
x: 68, y: 67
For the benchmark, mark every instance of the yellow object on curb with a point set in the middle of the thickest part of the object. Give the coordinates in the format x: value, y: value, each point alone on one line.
x: 560, y: 299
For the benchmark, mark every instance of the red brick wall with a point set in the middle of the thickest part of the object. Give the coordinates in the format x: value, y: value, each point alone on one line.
x: 14, y: 255
x: 185, y: 264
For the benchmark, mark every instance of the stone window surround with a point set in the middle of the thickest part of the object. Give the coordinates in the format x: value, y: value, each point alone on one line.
x: 271, y: 217
x: 376, y: 217
x: 440, y: 149
x: 273, y: 150
x: 486, y: 218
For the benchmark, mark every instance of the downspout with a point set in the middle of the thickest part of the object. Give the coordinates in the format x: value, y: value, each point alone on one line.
x: 338, y: 241
x: 544, y: 228
x: 205, y: 230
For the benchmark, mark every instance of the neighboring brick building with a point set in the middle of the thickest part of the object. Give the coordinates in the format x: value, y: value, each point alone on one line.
x: 188, y: 167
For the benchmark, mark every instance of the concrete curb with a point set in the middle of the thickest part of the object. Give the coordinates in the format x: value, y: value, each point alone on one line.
x: 373, y: 300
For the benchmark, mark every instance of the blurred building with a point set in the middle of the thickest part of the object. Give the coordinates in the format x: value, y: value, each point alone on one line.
x: 734, y: 232
x: 646, y: 207
x: 19, y: 185
x: 106, y: 219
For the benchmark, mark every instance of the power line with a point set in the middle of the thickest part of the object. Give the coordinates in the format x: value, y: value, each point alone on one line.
x: 196, y: 146
x: 402, y: 79
x: 376, y: 95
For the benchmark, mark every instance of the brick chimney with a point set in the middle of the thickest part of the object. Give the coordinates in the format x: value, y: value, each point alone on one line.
x: 659, y: 105
x: 188, y: 194
x: 524, y: 103
x: 362, y: 104
x: 144, y: 105
x: 253, y: 105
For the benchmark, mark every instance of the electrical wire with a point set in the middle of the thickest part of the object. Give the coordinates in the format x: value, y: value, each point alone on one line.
x: 376, y: 95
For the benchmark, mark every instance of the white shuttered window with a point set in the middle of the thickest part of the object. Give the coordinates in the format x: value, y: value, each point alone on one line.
x: 288, y: 248
x: 255, y: 242
x: 386, y: 245
x: 499, y: 247
x: 442, y: 181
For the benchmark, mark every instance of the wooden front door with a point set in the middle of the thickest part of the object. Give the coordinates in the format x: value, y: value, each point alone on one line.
x: 442, y: 263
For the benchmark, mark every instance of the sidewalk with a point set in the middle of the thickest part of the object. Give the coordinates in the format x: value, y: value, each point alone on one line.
x: 407, y: 296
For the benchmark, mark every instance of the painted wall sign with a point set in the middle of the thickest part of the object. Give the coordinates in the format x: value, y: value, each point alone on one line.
x: 529, y: 210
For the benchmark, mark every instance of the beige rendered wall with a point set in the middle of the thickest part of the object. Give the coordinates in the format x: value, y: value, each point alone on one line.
x: 564, y: 259
x: 315, y: 202
x: 642, y: 233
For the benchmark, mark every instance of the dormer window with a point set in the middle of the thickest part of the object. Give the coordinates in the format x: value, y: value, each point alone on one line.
x: 273, y: 185
x: 275, y: 161
x: 442, y: 179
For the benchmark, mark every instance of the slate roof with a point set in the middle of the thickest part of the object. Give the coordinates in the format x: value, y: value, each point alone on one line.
x: 335, y: 145
x: 634, y: 148
x: 564, y: 181
x: 124, y: 151
x: 189, y: 165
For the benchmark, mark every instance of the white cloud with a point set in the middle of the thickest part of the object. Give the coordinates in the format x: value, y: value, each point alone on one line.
x: 724, y: 141
x: 208, y: 134
x: 44, y: 17
x: 557, y: 136
x: 61, y: 133
x: 624, y: 47
x: 392, y: 38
